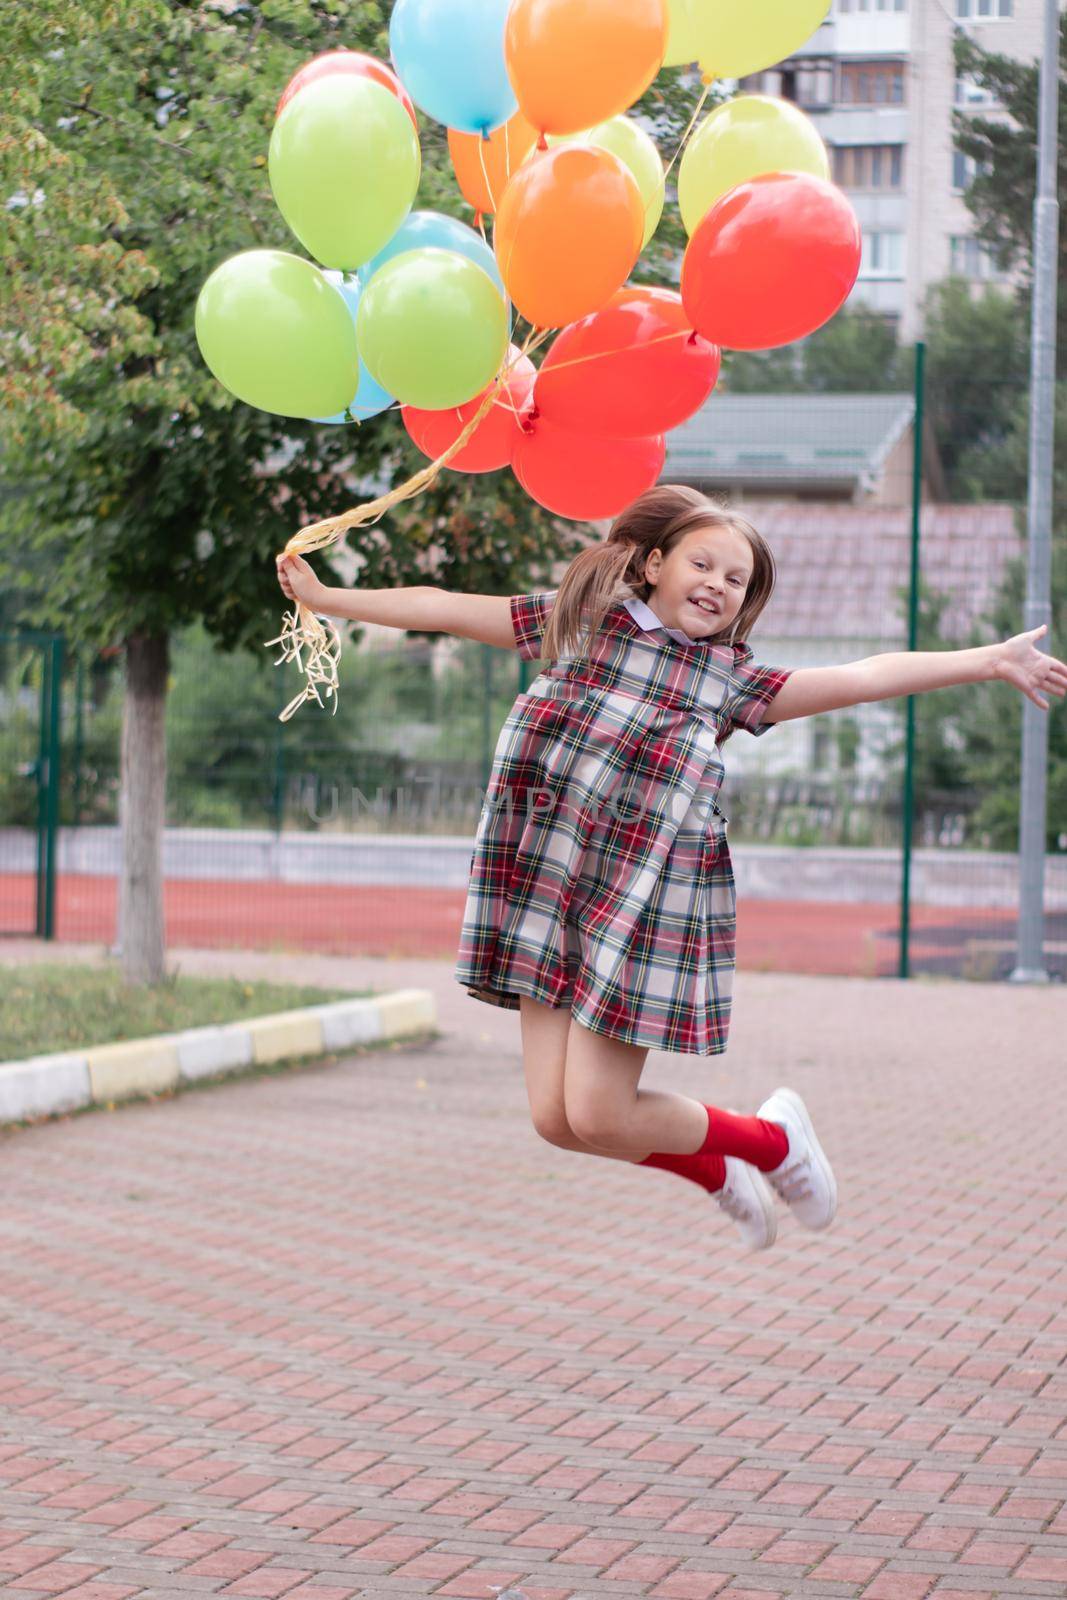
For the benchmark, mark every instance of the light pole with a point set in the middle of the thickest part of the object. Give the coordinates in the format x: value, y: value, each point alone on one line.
x: 1030, y: 957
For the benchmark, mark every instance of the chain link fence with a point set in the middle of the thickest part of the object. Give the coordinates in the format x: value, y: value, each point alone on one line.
x: 352, y: 832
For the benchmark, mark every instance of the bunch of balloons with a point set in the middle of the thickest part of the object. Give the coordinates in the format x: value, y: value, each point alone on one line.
x: 415, y: 309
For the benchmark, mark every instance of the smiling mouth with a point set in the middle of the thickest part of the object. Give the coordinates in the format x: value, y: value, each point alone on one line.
x: 709, y: 608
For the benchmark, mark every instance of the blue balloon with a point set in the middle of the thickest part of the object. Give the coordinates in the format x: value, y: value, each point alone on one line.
x: 370, y: 398
x: 449, y: 55
x: 421, y: 228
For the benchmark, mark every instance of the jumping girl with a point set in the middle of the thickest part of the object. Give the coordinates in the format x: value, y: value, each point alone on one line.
x: 601, y: 903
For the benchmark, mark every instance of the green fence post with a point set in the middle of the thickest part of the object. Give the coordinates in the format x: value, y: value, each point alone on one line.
x: 908, y: 795
x: 48, y: 784
x: 524, y: 674
x: 79, y: 738
x: 487, y: 714
x: 279, y: 758
x: 42, y: 779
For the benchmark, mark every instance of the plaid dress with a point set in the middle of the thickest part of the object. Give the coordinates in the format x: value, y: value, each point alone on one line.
x: 600, y: 878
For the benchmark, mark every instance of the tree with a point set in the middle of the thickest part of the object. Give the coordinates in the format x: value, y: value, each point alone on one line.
x: 977, y: 369
x: 978, y: 389
x: 855, y: 353
x: 1001, y: 194
x: 140, y: 497
x: 991, y: 456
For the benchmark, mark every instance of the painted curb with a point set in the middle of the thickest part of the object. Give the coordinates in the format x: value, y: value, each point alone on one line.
x: 68, y: 1081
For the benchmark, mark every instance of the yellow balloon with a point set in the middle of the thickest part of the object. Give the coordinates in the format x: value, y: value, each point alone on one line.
x: 682, y: 43
x: 751, y: 134
x: 637, y: 151
x: 736, y: 37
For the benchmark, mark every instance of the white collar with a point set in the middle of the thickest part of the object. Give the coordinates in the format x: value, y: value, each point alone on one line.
x: 646, y: 618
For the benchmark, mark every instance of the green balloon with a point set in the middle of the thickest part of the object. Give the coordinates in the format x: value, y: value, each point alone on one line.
x: 344, y: 166
x: 432, y: 328
x: 635, y: 150
x: 741, y: 139
x: 277, y: 335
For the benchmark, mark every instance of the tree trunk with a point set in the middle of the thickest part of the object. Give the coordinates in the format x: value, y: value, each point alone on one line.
x: 143, y: 797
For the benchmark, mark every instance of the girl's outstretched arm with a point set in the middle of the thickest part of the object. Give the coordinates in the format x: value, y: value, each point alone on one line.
x: 1018, y: 661
x: 420, y: 607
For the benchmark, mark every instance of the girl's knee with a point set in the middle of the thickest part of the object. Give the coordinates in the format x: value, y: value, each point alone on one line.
x: 550, y: 1122
x: 594, y: 1123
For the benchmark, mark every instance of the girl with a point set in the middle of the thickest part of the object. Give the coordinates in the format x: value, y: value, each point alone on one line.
x: 601, y: 900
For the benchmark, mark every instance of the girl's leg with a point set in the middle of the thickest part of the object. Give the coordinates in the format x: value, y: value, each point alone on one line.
x: 545, y: 1030
x: 605, y: 1108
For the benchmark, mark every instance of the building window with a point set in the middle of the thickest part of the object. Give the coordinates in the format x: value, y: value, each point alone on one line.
x: 869, y: 166
x: 969, y: 258
x: 872, y: 83
x: 843, y: 7
x: 970, y: 93
x: 964, y: 170
x: 809, y: 84
x: 983, y: 10
x: 883, y: 254
x: 815, y: 85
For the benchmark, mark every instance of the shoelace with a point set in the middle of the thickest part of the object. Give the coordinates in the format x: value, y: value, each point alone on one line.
x: 793, y: 1182
x: 733, y: 1205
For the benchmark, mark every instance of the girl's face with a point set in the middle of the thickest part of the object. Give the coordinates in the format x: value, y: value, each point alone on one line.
x: 700, y: 586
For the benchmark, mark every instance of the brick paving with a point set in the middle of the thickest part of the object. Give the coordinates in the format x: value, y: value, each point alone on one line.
x: 356, y: 1331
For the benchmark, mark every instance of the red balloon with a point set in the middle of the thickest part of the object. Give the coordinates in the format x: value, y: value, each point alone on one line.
x: 771, y: 262
x: 346, y: 61
x: 582, y: 475
x: 632, y: 369
x: 490, y: 445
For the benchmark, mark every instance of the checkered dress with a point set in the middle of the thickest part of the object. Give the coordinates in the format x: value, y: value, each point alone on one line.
x: 600, y: 878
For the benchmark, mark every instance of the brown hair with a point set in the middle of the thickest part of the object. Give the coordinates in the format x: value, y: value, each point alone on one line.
x: 657, y: 519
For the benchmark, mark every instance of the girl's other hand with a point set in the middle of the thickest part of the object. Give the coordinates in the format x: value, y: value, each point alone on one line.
x: 298, y: 581
x: 1019, y: 661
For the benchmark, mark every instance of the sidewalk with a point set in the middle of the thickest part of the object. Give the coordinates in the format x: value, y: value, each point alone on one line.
x: 358, y: 1332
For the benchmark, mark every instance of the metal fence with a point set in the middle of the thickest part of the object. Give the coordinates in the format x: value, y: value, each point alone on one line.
x: 858, y: 848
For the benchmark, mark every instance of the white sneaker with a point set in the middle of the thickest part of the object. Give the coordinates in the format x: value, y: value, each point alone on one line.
x: 804, y: 1179
x: 746, y: 1197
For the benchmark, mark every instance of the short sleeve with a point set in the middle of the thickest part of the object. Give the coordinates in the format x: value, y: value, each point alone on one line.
x: 529, y: 614
x: 752, y: 689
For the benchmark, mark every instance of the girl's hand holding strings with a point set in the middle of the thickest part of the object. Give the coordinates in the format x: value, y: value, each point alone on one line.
x: 299, y: 582
x: 1020, y: 662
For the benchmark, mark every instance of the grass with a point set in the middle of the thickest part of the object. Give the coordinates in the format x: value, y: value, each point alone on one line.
x: 44, y: 1008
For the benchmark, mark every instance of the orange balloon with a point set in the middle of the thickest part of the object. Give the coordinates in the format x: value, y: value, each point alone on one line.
x: 575, y: 65
x: 503, y: 152
x: 567, y: 233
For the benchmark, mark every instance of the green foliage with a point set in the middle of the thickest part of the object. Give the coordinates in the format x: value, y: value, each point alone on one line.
x: 49, y: 1008
x: 990, y: 723
x: 968, y: 740
x: 855, y: 353
x: 135, y: 494
x: 977, y: 375
x: 1001, y: 196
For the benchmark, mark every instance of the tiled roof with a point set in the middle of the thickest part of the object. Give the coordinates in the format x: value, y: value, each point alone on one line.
x: 840, y: 565
x: 788, y: 438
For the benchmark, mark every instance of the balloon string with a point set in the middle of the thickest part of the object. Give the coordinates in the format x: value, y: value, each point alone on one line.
x: 302, y: 630
x: 600, y: 355
x: 685, y: 136
x: 485, y: 175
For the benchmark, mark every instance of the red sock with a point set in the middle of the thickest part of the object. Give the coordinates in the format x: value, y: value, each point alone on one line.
x: 763, y: 1144
x: 707, y: 1170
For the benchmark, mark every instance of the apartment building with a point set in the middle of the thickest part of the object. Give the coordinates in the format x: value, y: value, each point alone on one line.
x: 879, y: 81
